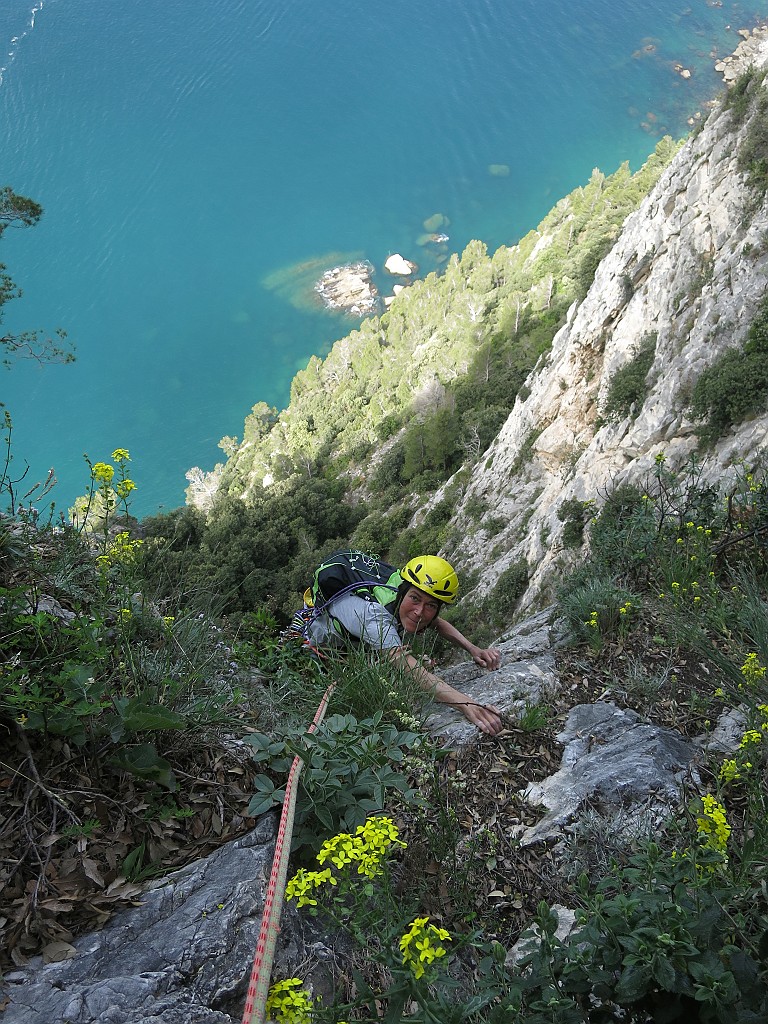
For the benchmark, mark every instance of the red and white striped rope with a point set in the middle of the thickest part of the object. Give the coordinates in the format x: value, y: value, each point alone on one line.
x: 258, y: 987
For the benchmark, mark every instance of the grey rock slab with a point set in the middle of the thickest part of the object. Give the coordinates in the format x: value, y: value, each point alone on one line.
x: 612, y: 759
x: 508, y: 688
x: 726, y: 736
x: 184, y: 955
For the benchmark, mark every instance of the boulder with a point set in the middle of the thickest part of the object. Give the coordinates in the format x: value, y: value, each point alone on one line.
x: 397, y: 264
x: 612, y: 760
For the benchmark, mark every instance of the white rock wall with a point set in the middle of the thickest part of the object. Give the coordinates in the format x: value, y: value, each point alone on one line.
x: 693, y: 285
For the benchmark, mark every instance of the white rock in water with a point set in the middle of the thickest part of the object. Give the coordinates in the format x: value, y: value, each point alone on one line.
x: 395, y: 264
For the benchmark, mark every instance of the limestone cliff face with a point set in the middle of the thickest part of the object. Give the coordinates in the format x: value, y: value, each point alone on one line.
x: 689, y: 268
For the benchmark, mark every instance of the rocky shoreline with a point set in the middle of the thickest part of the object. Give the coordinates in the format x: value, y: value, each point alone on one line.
x: 752, y: 44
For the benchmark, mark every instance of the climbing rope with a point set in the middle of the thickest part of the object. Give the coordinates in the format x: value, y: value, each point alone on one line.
x: 258, y: 987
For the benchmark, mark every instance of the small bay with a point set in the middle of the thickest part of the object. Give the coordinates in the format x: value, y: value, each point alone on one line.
x: 200, y: 164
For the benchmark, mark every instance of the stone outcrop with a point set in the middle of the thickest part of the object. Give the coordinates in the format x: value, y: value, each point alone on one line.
x: 182, y: 956
x: 398, y: 265
x: 613, y: 762
x: 349, y: 288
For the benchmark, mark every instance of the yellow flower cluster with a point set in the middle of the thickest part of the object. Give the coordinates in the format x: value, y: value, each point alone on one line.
x: 750, y: 738
x: 421, y: 945
x: 752, y: 671
x: 367, y: 849
x: 712, y: 825
x: 122, y: 550
x: 730, y: 770
x: 102, y: 472
x: 124, y: 488
x: 303, y: 884
x: 592, y: 621
x: 121, y: 455
x: 289, y: 1003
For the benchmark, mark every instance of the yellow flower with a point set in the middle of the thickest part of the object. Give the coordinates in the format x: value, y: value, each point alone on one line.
x: 421, y: 945
x: 712, y: 825
x: 102, y: 472
x: 752, y: 670
x: 289, y: 1003
x: 124, y: 488
x: 121, y: 455
x: 303, y: 884
x: 751, y: 737
x: 729, y: 771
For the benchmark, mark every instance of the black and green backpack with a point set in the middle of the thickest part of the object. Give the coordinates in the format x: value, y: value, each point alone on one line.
x: 354, y: 572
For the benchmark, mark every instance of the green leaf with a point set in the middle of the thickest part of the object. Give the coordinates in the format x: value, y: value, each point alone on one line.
x: 144, y: 762
x: 261, y: 803
x: 664, y: 972
x: 137, y: 715
x: 131, y: 866
x: 632, y: 984
x: 324, y: 816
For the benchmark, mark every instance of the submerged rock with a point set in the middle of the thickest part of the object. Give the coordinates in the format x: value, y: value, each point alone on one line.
x: 436, y: 221
x: 349, y: 288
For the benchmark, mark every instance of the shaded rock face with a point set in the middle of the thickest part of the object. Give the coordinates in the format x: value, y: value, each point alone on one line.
x: 686, y: 275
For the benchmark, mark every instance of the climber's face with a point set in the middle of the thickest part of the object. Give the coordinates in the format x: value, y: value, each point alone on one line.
x: 417, y: 610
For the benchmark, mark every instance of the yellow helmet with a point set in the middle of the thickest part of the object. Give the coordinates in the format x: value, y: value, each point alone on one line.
x: 433, y: 575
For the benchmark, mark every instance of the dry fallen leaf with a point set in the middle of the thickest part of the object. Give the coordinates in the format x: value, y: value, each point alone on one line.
x: 57, y: 951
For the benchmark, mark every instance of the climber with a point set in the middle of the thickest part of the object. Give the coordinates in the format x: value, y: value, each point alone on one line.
x: 356, y: 596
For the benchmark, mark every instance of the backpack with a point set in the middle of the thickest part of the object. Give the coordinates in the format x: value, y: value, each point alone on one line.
x: 354, y: 572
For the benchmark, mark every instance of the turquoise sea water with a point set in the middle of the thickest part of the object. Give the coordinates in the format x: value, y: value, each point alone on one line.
x: 200, y: 163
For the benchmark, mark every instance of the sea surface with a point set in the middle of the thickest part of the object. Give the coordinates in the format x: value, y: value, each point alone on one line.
x: 201, y: 162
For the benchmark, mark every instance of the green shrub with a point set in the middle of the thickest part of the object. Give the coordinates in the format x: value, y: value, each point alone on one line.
x: 348, y: 773
x: 736, y: 385
x: 629, y: 386
x: 574, y: 514
x: 510, y: 587
x: 753, y: 155
x: 739, y: 97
